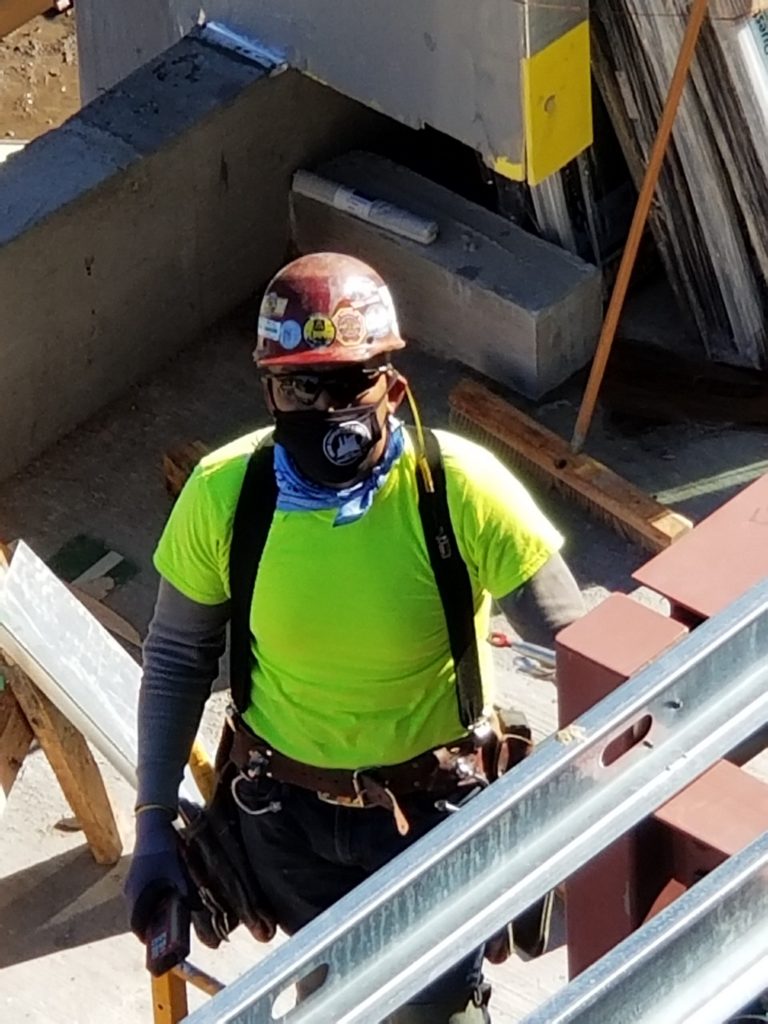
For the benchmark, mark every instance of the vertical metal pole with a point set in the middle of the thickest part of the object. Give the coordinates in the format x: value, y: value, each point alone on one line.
x: 615, y: 306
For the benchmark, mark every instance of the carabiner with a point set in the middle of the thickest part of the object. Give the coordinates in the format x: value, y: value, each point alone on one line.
x: 271, y: 808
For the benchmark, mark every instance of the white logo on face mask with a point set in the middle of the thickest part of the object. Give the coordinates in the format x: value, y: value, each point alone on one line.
x: 346, y: 443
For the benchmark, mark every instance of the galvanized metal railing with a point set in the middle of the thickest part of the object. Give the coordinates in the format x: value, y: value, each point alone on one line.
x: 522, y: 836
x: 699, y: 961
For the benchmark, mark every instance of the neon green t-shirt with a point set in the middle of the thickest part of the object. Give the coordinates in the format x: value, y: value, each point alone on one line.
x: 353, y: 664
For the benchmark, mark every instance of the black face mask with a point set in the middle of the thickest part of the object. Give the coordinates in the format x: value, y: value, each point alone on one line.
x: 333, y: 448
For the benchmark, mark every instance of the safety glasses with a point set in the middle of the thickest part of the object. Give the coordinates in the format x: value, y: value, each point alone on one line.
x: 343, y: 387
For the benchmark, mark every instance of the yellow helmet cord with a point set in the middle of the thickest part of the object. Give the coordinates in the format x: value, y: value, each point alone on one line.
x: 421, y: 454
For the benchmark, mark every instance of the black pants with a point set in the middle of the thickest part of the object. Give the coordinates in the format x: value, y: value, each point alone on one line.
x: 310, y: 853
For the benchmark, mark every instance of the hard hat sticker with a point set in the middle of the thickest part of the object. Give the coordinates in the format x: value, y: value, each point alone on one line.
x: 346, y: 443
x: 360, y: 290
x: 378, y: 320
x: 290, y: 334
x: 319, y: 330
x: 274, y: 305
x: 269, y: 328
x: 350, y: 327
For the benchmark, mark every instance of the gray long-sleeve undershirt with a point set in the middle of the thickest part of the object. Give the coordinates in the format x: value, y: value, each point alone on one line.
x: 186, y: 640
x: 184, y: 643
x: 548, y: 602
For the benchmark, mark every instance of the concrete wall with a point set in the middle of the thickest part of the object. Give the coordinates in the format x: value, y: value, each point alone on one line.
x: 448, y: 63
x: 111, y: 46
x: 145, y: 218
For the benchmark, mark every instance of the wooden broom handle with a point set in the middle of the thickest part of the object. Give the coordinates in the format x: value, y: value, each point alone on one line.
x: 615, y: 306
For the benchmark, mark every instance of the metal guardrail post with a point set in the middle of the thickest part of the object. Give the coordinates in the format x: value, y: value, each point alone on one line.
x: 697, y: 962
x: 612, y: 894
x: 427, y: 909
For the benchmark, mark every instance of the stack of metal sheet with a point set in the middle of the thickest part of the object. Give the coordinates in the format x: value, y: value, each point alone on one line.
x: 709, y: 212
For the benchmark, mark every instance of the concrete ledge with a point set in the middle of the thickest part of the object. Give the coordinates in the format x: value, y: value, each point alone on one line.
x: 487, y: 293
x: 140, y: 222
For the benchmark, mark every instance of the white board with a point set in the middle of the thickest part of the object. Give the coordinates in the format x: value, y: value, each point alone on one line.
x: 74, y: 660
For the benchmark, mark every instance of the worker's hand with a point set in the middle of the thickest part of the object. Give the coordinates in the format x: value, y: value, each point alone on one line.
x: 156, y: 870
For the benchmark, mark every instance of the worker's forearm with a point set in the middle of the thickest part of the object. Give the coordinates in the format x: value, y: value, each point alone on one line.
x: 547, y: 603
x: 181, y: 659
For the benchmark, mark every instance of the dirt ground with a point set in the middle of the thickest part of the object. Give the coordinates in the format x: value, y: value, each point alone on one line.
x: 39, y: 85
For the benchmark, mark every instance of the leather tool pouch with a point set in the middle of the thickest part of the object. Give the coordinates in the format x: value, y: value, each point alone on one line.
x: 512, y: 742
x: 212, y: 848
x: 529, y: 932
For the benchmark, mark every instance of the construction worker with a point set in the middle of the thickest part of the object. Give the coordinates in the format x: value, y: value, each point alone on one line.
x: 351, y: 661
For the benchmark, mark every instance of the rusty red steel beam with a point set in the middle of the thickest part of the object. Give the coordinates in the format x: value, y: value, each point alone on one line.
x: 726, y: 807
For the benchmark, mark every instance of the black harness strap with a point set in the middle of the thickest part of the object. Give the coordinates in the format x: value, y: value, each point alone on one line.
x: 253, y: 518
x: 453, y: 583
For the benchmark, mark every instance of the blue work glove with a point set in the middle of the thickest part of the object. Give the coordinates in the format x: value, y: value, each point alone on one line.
x: 156, y: 870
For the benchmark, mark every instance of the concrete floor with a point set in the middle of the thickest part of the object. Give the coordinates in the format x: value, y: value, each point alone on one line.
x: 65, y: 954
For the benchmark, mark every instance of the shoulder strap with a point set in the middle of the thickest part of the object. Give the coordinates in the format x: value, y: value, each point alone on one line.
x: 452, y: 579
x: 253, y: 518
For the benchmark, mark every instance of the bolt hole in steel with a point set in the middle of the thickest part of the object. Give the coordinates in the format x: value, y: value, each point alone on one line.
x: 301, y: 990
x: 626, y: 741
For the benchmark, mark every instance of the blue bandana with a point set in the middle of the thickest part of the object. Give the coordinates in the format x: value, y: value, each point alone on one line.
x: 295, y: 493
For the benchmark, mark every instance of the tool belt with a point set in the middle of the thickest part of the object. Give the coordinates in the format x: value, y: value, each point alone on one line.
x: 472, y: 760
x: 433, y: 772
x: 229, y: 894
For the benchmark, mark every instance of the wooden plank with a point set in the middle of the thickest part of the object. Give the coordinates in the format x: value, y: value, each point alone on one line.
x: 197, y: 978
x: 98, y: 588
x: 716, y: 153
x: 107, y: 617
x: 178, y: 463
x: 202, y: 771
x: 74, y: 767
x: 14, y: 13
x: 15, y: 738
x: 590, y: 483
x: 169, y: 999
x: 735, y: 9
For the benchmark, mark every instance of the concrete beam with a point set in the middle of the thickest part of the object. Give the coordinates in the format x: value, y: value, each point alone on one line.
x: 486, y: 293
x: 131, y: 229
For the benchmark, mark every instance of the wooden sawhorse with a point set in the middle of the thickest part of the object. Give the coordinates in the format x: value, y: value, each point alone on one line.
x: 27, y: 714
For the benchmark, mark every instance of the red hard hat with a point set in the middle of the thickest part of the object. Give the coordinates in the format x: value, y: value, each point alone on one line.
x: 325, y: 308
